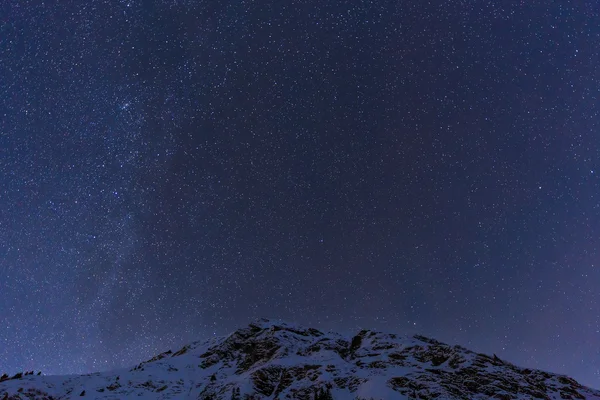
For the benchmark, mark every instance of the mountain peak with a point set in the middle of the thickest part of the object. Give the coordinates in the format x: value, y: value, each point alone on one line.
x: 273, y: 359
x: 274, y: 325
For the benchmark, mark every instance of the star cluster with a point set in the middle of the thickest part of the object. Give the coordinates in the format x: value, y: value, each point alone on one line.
x: 170, y: 171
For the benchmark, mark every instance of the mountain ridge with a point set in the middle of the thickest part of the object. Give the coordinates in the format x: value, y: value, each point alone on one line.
x: 272, y: 359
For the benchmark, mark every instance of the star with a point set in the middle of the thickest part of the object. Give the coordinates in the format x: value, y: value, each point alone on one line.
x: 170, y: 172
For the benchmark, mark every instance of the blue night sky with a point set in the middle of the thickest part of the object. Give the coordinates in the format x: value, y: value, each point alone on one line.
x: 171, y: 170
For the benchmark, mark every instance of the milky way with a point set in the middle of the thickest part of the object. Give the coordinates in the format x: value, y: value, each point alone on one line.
x: 170, y: 172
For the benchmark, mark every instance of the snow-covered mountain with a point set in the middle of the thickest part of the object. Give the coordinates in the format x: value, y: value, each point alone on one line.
x: 275, y: 360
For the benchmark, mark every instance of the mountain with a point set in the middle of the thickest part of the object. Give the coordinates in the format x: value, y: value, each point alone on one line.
x: 275, y: 360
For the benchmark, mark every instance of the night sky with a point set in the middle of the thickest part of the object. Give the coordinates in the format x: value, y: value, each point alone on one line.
x: 172, y: 171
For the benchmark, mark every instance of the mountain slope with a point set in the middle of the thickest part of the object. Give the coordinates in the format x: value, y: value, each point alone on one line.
x: 276, y: 360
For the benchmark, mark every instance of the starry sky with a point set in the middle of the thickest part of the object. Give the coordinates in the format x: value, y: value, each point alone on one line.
x: 171, y: 170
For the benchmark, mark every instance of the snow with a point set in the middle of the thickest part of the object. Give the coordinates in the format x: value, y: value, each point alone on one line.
x: 290, y: 360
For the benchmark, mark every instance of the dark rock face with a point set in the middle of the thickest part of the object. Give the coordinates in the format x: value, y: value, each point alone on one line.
x: 276, y: 360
